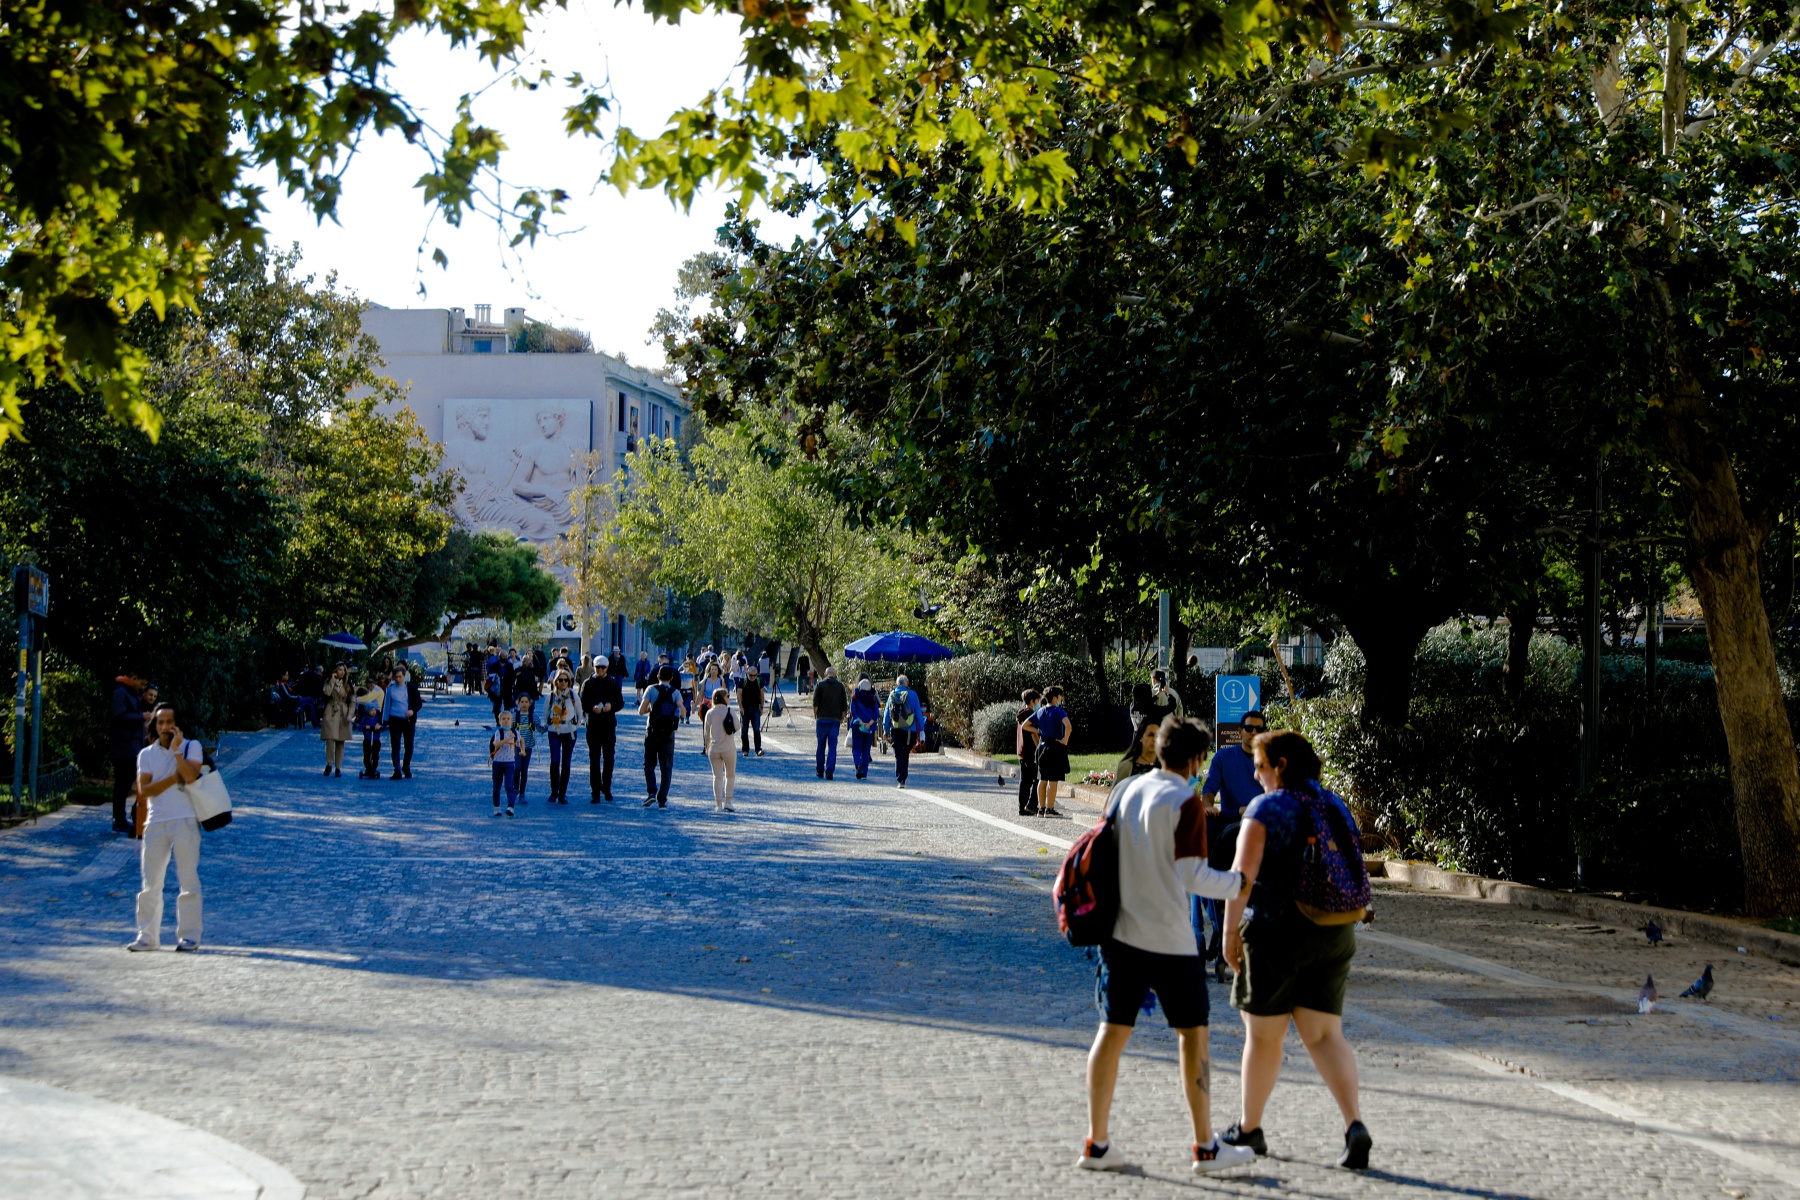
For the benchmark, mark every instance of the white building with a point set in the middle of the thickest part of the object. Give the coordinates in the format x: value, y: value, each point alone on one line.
x: 519, y: 426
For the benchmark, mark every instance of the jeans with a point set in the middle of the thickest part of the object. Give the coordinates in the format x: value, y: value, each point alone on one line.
x: 522, y: 768
x: 1028, y: 782
x: 826, y: 756
x: 180, y: 838
x: 372, y: 753
x: 400, y: 736
x: 752, y: 721
x: 659, y: 749
x: 506, y: 773
x: 310, y: 707
x: 601, y: 743
x: 562, y: 753
x: 124, y: 785
x: 861, y: 744
x: 902, y: 752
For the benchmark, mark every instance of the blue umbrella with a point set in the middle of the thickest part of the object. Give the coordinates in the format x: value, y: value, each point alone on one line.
x: 343, y: 641
x: 897, y: 647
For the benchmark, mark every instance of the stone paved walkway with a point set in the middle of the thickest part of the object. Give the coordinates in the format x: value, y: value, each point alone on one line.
x: 842, y: 990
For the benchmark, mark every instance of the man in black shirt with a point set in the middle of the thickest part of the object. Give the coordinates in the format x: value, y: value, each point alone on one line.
x: 601, y: 701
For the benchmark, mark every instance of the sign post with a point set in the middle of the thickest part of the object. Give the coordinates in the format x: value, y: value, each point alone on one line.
x: 1233, y: 696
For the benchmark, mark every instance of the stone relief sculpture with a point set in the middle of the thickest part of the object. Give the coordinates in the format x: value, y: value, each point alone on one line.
x: 518, y: 463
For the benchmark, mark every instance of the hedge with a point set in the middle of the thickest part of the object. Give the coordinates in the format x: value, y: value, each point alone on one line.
x: 962, y: 686
x: 996, y: 728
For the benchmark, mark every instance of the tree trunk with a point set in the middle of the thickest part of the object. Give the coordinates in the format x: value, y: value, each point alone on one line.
x: 1388, y: 639
x: 1724, y: 546
x: 812, y: 640
x: 1521, y: 623
x: 1181, y: 639
x: 426, y: 639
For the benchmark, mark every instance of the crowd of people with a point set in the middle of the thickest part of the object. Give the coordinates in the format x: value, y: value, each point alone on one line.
x: 1239, y: 858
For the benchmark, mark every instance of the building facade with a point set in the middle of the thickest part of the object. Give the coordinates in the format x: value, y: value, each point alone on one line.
x: 520, y: 427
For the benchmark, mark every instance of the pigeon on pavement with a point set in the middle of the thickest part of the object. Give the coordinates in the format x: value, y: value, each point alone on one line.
x: 1702, y: 987
x: 1647, y: 996
x: 1653, y: 932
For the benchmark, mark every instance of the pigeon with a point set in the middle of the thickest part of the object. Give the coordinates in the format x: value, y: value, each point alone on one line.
x: 1647, y: 996
x: 1653, y: 932
x: 1702, y: 987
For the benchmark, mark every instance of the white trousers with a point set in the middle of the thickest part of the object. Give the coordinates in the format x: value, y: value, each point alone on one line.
x: 724, y: 769
x: 161, y: 839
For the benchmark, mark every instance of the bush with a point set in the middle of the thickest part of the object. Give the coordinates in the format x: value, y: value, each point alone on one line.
x: 1668, y: 838
x: 1458, y: 660
x: 996, y: 730
x: 961, y: 687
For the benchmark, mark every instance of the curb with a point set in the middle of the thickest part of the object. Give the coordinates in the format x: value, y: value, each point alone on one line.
x: 1771, y: 943
x: 1075, y: 793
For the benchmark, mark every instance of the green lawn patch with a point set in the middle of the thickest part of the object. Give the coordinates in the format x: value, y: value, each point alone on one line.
x: 1784, y: 924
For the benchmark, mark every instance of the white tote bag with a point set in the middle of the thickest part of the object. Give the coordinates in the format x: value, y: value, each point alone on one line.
x: 212, y: 803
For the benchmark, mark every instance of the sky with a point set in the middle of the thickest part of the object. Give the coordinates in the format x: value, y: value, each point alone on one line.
x: 613, y: 265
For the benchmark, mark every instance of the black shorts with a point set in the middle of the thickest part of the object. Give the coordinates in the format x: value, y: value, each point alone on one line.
x: 1126, y: 973
x: 1290, y: 963
x: 1053, y: 762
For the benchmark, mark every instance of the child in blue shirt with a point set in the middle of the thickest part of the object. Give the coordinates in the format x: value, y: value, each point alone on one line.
x: 503, y: 757
x: 527, y: 725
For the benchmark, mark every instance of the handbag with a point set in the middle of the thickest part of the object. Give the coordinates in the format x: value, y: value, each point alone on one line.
x: 212, y: 803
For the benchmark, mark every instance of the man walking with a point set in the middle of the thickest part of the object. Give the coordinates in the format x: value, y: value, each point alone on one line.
x: 831, y: 704
x: 601, y: 700
x: 171, y: 829
x: 750, y: 701
x: 616, y: 665
x: 400, y: 708
x: 662, y: 705
x: 126, y: 734
x: 901, y: 717
x: 1229, y: 788
x: 1160, y: 834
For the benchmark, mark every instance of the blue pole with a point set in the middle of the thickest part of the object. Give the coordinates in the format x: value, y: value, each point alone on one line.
x: 18, y: 779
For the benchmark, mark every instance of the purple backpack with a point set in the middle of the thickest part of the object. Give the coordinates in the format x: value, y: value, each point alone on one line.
x: 1333, y: 884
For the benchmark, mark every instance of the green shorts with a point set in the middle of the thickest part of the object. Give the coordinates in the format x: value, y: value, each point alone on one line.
x: 1290, y: 963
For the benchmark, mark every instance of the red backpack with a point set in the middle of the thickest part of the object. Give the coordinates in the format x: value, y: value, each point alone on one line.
x: 1087, y: 884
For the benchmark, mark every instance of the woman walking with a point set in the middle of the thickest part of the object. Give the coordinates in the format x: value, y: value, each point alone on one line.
x: 1300, y: 848
x: 334, y: 720
x: 865, y: 718
x: 717, y: 729
x: 564, y: 718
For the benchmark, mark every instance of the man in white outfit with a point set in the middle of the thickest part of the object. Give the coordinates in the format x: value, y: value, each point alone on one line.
x: 171, y: 829
x: 1160, y: 832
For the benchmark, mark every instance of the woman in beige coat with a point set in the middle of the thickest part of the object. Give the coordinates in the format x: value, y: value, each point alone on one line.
x: 334, y: 719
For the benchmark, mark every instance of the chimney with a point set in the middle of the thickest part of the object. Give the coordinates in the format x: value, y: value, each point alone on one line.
x: 515, y: 321
x: 484, y: 314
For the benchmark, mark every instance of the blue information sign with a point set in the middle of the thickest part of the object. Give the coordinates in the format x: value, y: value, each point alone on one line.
x: 1233, y: 696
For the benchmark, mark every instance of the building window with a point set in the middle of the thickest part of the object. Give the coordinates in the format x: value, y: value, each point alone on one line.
x: 656, y: 429
x: 484, y: 345
x: 621, y: 412
x: 675, y: 425
x: 631, y: 433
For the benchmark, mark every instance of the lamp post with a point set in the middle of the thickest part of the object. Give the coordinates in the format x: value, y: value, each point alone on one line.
x: 1590, y: 664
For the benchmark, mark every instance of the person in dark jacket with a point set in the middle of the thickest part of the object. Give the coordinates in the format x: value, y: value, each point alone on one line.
x: 126, y: 736
x: 750, y: 702
x: 601, y: 699
x: 831, y: 704
x: 615, y: 666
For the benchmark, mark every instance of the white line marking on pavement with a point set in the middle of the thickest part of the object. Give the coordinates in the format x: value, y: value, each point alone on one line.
x: 1494, y: 970
x: 1611, y: 1108
x: 265, y: 744
x: 111, y: 857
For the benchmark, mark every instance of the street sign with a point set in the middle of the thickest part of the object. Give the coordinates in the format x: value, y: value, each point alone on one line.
x: 31, y: 592
x: 1233, y: 696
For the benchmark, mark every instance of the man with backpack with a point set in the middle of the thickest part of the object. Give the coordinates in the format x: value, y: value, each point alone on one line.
x: 662, y: 705
x: 1155, y: 831
x: 831, y: 704
x: 900, y: 718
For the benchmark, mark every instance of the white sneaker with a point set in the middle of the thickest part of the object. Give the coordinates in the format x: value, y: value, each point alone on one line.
x: 1221, y: 1156
x: 186, y: 946
x: 139, y: 945
x: 1110, y: 1159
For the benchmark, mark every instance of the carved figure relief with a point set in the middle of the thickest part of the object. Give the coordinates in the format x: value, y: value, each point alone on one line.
x: 518, y: 461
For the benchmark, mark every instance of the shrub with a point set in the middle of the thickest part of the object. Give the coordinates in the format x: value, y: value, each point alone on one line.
x: 1458, y: 660
x: 1667, y: 838
x: 960, y: 687
x: 996, y: 730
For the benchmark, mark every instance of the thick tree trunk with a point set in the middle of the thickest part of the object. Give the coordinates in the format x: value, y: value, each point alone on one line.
x: 1521, y: 623
x: 425, y: 639
x: 812, y: 640
x: 1724, y: 548
x: 1181, y: 640
x: 1388, y: 640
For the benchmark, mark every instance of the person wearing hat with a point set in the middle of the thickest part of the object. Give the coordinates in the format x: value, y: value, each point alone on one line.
x: 865, y: 717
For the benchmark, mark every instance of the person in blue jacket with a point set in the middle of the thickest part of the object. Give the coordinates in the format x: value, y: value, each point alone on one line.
x: 865, y: 715
x: 901, y: 720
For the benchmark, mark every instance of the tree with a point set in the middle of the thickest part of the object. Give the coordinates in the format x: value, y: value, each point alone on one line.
x: 597, y: 576
x: 474, y: 576
x: 745, y: 519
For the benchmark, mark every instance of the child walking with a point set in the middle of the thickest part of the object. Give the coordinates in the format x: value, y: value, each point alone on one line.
x: 368, y: 723
x: 503, y: 756
x: 525, y: 723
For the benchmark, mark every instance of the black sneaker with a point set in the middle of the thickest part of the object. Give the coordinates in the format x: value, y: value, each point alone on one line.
x: 1357, y: 1143
x: 650, y: 800
x: 1237, y: 1135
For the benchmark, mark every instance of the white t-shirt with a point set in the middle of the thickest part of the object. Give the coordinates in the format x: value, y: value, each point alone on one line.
x: 158, y: 763
x: 1161, y: 828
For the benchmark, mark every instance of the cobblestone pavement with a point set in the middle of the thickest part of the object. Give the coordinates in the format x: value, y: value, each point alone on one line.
x: 842, y: 990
